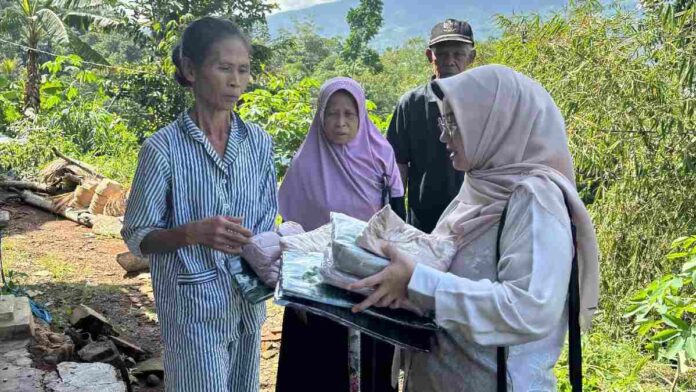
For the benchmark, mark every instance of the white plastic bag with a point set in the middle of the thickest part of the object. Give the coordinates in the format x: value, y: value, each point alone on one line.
x: 347, y: 255
x: 311, y: 241
x: 386, y: 227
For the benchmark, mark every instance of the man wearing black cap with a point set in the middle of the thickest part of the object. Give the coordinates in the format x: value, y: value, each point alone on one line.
x: 424, y: 162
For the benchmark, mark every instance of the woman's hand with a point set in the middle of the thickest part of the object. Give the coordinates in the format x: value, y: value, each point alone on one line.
x: 391, y: 283
x: 223, y: 233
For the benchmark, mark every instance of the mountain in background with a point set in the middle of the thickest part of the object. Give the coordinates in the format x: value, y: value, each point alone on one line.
x: 404, y: 19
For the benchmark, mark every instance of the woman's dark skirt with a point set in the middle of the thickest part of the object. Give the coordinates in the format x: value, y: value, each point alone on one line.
x: 314, y: 357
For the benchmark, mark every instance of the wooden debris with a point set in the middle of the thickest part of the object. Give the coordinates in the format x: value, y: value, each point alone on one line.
x: 30, y: 185
x: 89, y: 169
x: 105, y: 191
x: 35, y: 200
x: 132, y: 263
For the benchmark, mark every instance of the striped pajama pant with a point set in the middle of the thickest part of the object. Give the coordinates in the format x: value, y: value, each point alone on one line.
x: 231, y: 366
x: 213, y: 352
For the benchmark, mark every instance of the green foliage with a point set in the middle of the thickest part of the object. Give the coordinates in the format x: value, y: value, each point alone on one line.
x: 77, y: 119
x: 622, y: 83
x: 12, y: 282
x: 302, y: 51
x: 611, y: 364
x: 665, y: 311
x: 283, y: 110
x: 364, y: 21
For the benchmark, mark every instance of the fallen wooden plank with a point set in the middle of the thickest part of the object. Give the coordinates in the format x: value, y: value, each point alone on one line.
x: 29, y: 185
x: 35, y: 200
x: 89, y: 169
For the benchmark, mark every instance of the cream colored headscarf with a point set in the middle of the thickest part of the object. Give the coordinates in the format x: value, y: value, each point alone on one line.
x: 512, y: 130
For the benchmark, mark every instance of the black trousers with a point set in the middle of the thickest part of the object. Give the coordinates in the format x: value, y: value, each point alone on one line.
x: 314, y: 357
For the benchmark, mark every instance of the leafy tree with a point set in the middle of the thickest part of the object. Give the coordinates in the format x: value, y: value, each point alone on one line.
x: 623, y: 82
x: 302, y: 50
x: 364, y: 21
x: 52, y: 19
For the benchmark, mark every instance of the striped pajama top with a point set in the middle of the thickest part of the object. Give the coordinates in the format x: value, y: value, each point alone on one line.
x: 180, y: 178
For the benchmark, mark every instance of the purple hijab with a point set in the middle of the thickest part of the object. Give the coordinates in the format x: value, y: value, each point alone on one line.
x: 324, y: 177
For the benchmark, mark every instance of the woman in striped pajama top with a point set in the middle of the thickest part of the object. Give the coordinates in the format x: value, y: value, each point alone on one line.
x: 205, y: 184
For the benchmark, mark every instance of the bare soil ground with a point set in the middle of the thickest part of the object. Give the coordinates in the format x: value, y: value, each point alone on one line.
x: 66, y: 265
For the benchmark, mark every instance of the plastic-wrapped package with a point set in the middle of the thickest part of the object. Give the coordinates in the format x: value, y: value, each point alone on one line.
x: 334, y: 277
x: 347, y: 255
x: 287, y: 229
x: 301, y: 278
x: 261, y: 265
x: 386, y: 227
x: 311, y: 241
x: 263, y: 256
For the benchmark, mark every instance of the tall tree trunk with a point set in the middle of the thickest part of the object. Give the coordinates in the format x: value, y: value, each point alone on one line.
x: 32, y: 97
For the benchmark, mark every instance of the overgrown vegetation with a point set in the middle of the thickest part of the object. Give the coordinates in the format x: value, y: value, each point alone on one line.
x: 624, y: 80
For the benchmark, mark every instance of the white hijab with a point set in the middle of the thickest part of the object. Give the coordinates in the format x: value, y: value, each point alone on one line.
x: 513, y: 130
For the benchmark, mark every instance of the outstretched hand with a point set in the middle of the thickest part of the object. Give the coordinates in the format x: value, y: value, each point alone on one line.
x: 391, y: 283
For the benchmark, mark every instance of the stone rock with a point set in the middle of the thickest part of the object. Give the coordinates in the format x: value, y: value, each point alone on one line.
x: 130, y: 362
x: 85, y: 318
x: 107, y: 226
x: 152, y: 380
x: 21, y: 326
x: 98, y: 352
x: 21, y: 379
x: 132, y: 263
x: 50, y: 359
x: 151, y: 366
x: 4, y: 218
x: 6, y: 307
x: 84, y: 377
x: 79, y: 337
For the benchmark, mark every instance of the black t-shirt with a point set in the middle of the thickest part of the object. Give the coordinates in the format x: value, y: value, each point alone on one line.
x: 432, y: 181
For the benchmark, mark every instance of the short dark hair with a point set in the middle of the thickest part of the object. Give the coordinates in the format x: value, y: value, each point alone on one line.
x: 199, y: 36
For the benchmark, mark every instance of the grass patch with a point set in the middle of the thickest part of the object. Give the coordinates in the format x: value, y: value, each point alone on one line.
x: 59, y: 269
x: 619, y: 365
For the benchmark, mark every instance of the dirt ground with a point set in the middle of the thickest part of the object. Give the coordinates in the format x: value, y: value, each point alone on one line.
x: 66, y: 265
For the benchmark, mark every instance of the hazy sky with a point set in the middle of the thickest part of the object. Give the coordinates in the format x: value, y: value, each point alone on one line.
x: 286, y: 5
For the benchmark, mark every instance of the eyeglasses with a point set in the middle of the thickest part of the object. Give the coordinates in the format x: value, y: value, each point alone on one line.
x: 447, y: 126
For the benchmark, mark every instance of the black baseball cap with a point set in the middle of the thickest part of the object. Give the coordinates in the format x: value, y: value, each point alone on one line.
x: 451, y: 30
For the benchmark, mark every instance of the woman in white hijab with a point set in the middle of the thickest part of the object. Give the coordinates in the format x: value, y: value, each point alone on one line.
x: 504, y: 130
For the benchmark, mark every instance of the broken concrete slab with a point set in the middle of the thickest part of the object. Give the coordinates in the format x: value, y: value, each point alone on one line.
x: 16, y: 373
x: 21, y: 379
x: 128, y: 348
x: 99, y: 352
x: 132, y: 263
x: 21, y: 326
x: 6, y: 307
x: 151, y: 366
x: 15, y: 352
x: 4, y: 219
x: 84, y: 377
x: 89, y: 320
x: 104, y: 351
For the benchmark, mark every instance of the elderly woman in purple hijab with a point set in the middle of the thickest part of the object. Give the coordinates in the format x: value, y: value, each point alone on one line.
x: 344, y: 165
